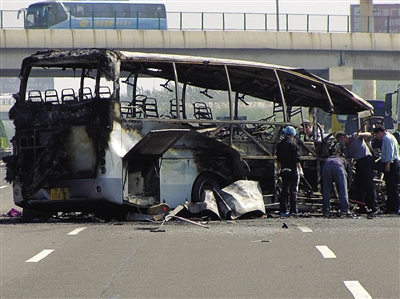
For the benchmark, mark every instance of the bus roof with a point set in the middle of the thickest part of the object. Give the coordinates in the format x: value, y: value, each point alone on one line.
x: 155, y: 2
x: 264, y: 81
x: 112, y: 2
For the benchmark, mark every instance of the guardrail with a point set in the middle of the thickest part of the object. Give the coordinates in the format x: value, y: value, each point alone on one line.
x: 256, y: 21
x: 285, y: 22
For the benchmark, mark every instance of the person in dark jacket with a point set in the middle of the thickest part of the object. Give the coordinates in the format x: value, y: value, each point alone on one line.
x: 355, y: 147
x: 288, y: 157
x: 336, y: 169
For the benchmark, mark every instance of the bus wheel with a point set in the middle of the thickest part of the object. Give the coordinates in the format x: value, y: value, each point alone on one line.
x: 206, y: 181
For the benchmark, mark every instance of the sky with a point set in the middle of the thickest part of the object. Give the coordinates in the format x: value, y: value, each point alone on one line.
x: 341, y: 7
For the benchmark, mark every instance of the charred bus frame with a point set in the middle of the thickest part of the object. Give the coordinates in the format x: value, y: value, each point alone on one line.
x: 86, y: 149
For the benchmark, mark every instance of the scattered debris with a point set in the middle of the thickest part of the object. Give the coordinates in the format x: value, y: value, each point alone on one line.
x: 244, y: 197
x: 241, y: 199
x: 158, y: 229
x: 174, y: 212
x: 12, y: 213
x: 190, y: 221
x: 154, y: 213
x: 284, y: 225
x: 159, y: 209
x: 143, y: 217
x: 261, y: 241
x: 208, y: 207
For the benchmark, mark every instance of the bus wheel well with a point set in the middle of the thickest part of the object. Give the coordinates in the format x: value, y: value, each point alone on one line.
x: 206, y: 180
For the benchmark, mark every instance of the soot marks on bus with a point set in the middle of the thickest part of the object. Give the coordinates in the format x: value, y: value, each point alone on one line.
x: 212, y: 155
x: 45, y: 133
x: 87, y: 146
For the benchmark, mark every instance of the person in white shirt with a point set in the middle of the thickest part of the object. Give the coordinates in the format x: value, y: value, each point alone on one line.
x: 390, y: 159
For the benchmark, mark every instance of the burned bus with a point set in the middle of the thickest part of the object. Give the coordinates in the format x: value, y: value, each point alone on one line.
x: 89, y: 146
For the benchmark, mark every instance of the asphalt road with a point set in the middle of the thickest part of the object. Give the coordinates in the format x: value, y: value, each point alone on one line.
x: 311, y: 258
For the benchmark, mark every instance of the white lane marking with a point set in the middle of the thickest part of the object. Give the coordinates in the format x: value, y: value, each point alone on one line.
x: 357, y: 289
x: 305, y: 229
x: 326, y: 252
x: 2, y: 187
x: 40, y: 256
x: 76, y: 231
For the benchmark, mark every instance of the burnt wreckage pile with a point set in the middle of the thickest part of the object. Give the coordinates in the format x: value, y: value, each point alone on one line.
x: 90, y: 148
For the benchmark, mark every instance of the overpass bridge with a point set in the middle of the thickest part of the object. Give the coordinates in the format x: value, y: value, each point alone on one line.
x: 325, y: 44
x: 339, y: 57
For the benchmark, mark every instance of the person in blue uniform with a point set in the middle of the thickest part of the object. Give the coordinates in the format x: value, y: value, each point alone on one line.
x: 336, y: 169
x: 288, y: 158
x: 391, y: 165
x: 354, y: 147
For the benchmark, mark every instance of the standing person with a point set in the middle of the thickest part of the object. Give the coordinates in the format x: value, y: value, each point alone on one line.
x: 354, y: 147
x: 309, y: 132
x: 390, y: 159
x: 288, y: 157
x: 396, y: 134
x: 336, y: 169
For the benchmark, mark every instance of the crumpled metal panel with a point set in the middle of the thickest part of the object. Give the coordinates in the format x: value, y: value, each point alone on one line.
x: 208, y: 207
x: 240, y: 199
x: 244, y: 197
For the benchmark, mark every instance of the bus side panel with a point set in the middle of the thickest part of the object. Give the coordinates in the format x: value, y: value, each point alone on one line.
x: 176, y: 180
x: 110, y: 190
x: 111, y: 23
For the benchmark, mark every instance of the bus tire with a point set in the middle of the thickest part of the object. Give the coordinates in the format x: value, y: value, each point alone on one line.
x: 206, y: 181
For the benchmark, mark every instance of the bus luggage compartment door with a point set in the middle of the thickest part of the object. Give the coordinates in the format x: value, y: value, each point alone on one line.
x: 142, y: 178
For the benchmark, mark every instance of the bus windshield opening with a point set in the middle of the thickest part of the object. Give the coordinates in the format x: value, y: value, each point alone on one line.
x: 45, y: 15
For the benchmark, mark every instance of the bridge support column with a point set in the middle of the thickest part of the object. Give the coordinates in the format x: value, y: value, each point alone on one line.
x: 368, y: 89
x: 367, y: 25
x: 367, y: 16
x: 342, y: 75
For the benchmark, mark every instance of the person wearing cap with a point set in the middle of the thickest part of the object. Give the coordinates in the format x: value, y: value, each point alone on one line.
x: 288, y: 158
x: 309, y: 132
x: 355, y: 147
x: 390, y: 159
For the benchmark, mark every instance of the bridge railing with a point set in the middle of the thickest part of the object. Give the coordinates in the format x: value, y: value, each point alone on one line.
x: 220, y: 21
x: 258, y: 22
x: 8, y: 19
